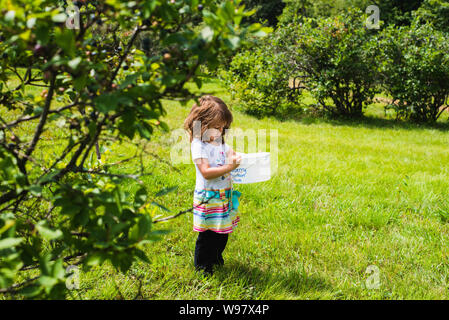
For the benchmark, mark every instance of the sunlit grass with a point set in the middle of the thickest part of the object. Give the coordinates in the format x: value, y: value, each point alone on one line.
x: 346, y: 195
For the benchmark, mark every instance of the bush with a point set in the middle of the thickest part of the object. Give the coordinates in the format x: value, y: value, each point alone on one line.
x: 337, y: 55
x: 397, y: 12
x: 435, y: 12
x: 415, y: 67
x: 258, y: 78
x: 267, y: 11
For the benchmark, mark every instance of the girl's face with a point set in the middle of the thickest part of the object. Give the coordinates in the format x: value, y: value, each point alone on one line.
x: 215, y: 133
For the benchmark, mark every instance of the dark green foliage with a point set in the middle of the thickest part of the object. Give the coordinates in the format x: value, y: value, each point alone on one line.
x: 414, y: 63
x: 267, y: 11
x: 258, y: 78
x: 337, y: 55
x: 435, y: 12
x: 397, y: 12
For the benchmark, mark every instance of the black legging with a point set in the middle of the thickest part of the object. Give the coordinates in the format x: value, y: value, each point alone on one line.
x: 209, y: 249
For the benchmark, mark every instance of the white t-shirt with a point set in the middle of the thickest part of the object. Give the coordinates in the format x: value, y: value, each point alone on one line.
x: 216, y: 155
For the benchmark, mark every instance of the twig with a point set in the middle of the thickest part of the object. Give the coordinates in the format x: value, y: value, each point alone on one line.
x: 14, y: 288
x: 184, y: 211
x: 28, y: 118
x: 125, y: 53
x: 43, y: 119
x: 126, y: 176
x: 66, y: 259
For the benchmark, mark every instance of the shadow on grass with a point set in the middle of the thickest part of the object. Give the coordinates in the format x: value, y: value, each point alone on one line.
x: 365, y: 122
x: 382, y: 123
x: 294, y: 282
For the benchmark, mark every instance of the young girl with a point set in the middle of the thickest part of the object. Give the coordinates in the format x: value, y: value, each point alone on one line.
x: 215, y: 202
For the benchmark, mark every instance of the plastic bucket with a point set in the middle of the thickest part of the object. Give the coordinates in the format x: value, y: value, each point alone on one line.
x: 254, y: 167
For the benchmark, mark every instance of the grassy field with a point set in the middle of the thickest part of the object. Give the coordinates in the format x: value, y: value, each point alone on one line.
x: 347, y: 195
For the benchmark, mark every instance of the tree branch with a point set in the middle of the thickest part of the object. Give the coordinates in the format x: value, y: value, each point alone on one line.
x: 184, y: 211
x: 43, y: 119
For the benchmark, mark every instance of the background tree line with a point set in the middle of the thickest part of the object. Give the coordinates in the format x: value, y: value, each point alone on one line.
x: 344, y: 64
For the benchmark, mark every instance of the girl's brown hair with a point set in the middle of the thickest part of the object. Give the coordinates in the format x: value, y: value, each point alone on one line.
x: 212, y: 112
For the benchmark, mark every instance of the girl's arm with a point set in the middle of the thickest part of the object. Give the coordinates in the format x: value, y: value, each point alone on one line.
x: 212, y: 173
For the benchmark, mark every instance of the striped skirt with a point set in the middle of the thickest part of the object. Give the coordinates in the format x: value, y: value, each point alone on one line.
x: 215, y: 210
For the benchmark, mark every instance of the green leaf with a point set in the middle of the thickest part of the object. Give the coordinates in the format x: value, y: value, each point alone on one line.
x: 160, y: 206
x: 145, y: 130
x: 31, y: 22
x: 207, y: 34
x: 35, y: 189
x: 140, y: 197
x: 164, y: 126
x: 198, y: 82
x: 46, y: 232
x: 74, y: 63
x: 164, y: 191
x: 31, y: 291
x: 58, y: 271
x: 65, y: 38
x: 95, y: 259
x: 133, y: 233
x: 106, y: 102
x: 80, y: 82
x: 116, y: 228
x: 8, y: 223
x: 141, y: 255
x: 47, y: 281
x: 49, y: 176
x: 9, y: 243
x: 144, y: 226
x: 10, y: 15
x: 59, y: 18
x: 233, y: 42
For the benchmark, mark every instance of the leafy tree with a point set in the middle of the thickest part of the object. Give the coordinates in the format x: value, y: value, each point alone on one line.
x: 296, y: 9
x: 396, y: 12
x: 259, y: 77
x: 98, y: 84
x: 337, y: 56
x: 415, y: 67
x: 435, y: 12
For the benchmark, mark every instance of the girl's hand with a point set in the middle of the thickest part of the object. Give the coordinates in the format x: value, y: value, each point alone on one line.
x: 235, y: 160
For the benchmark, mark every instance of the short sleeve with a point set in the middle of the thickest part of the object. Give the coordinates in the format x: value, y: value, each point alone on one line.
x: 198, y: 149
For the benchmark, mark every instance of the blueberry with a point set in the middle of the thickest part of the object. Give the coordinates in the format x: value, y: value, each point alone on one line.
x: 38, y: 49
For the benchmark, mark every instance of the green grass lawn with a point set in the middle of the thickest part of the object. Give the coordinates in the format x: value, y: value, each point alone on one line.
x: 347, y: 195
